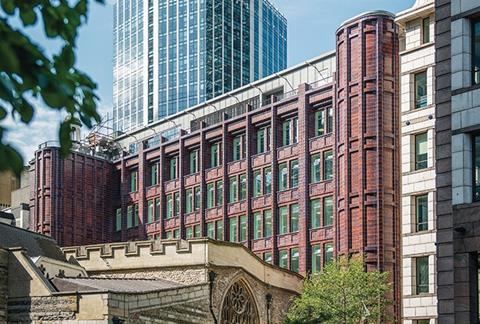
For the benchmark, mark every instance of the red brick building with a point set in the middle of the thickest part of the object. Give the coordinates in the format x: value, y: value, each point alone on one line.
x: 298, y: 176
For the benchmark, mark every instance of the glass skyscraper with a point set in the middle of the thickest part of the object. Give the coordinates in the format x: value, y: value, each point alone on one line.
x: 173, y: 54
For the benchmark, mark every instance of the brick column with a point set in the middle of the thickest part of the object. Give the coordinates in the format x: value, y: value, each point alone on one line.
x: 123, y: 192
x: 276, y: 129
x: 250, y: 145
x: 142, y: 172
x: 161, y: 180
x: 203, y: 162
x: 182, y: 171
x: 226, y: 153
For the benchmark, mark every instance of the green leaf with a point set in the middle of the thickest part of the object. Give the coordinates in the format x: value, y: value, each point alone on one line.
x: 65, y: 139
x: 29, y: 17
x: 8, y: 6
x: 10, y: 159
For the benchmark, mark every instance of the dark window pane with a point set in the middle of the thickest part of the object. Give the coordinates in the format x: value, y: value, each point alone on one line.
x: 421, y: 154
x: 421, y: 90
x: 421, y: 212
x: 476, y: 51
x: 421, y: 265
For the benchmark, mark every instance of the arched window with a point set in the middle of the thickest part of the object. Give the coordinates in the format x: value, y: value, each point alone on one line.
x: 239, y: 306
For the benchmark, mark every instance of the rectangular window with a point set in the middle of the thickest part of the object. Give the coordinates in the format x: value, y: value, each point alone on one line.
x: 290, y: 131
x: 133, y: 181
x: 257, y: 183
x: 233, y: 229
x: 327, y: 253
x: 176, y: 197
x: 157, y: 209
x: 210, y: 195
x: 421, y: 213
x: 476, y: 51
x: 421, y: 275
x: 154, y: 174
x: 118, y: 220
x: 283, y: 259
x: 189, y: 201
x: 328, y: 211
x: 169, y: 213
x: 283, y: 220
x: 263, y: 139
x: 243, y: 187
x: 233, y: 190
x: 315, y: 170
x: 172, y: 162
x: 267, y: 223
x: 327, y: 165
x: 267, y: 181
x: 129, y: 216
x: 219, y: 225
x: 198, y: 198
x: 476, y: 167
x: 238, y: 148
x: 176, y: 233
x: 189, y: 232
x: 426, y: 30
x: 316, y: 258
x: 211, y: 230
x: 243, y: 228
x: 294, y: 256
x: 257, y: 225
x: 283, y: 177
x: 320, y: 122
x: 294, y: 174
x: 421, y: 154
x: 150, y: 211
x: 267, y: 257
x: 421, y: 89
x: 215, y: 154
x: 135, y: 215
x: 315, y: 213
x: 329, y: 120
x: 294, y: 218
x: 197, y: 230
x: 193, y: 161
x: 219, y: 190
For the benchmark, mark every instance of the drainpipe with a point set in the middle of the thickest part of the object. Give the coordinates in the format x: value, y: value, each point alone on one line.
x: 211, y: 279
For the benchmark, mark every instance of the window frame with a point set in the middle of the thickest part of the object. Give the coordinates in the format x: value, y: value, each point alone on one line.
x: 475, y: 71
x: 426, y: 29
x: 324, y: 164
x: 426, y: 285
x: 418, y: 163
x: 416, y: 99
x: 417, y: 223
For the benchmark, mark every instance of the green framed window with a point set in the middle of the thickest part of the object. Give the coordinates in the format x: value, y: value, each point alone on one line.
x: 210, y: 195
x: 421, y: 275
x: 316, y: 258
x: 133, y: 181
x: 283, y: 259
x: 294, y: 173
x: 211, y: 230
x: 315, y: 169
x: 320, y: 122
x: 198, y: 197
x: 263, y: 139
x: 426, y: 30
x: 290, y: 131
x: 189, y: 201
x: 327, y: 165
x: 150, y: 211
x: 193, y: 165
x: 243, y: 187
x: 135, y: 215
x: 118, y: 219
x: 267, y: 181
x: 176, y: 198
x: 329, y: 120
x: 267, y: 257
x: 283, y: 177
x: 169, y: 208
x: 238, y: 144
x: 157, y: 209
x: 421, y: 213
x: 173, y: 169
x: 421, y: 151
x: 243, y: 228
x: 283, y: 220
x: 257, y: 183
x: 476, y: 51
x: 154, y: 174
x: 176, y: 233
x: 233, y: 192
x: 315, y: 212
x: 294, y: 217
x: 294, y: 258
x: 219, y: 225
x: 420, y: 89
x: 257, y: 225
x: 267, y: 223
x: 197, y: 231
x: 219, y: 190
x: 233, y: 221
x: 327, y: 253
x: 189, y: 232
x: 215, y: 154
x: 328, y: 211
x: 169, y: 235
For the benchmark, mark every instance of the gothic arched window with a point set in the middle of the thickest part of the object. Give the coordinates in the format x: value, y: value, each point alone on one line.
x: 239, y: 306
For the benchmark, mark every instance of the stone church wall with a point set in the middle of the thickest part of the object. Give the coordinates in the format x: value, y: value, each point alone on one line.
x: 3, y: 285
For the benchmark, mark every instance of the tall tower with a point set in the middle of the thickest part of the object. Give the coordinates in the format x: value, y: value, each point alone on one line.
x: 174, y: 54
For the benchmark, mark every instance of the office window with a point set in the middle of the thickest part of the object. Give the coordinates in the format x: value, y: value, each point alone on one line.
x: 263, y: 139
x: 257, y: 225
x: 135, y: 215
x: 294, y: 218
x: 129, y: 216
x: 176, y: 197
x: 210, y: 195
x: 294, y: 256
x: 219, y: 225
x: 189, y: 232
x: 267, y: 257
x: 233, y: 190
x: 283, y: 177
x: 169, y: 213
x: 267, y: 181
x: 176, y: 233
x: 198, y: 198
x: 233, y: 228
x: 215, y: 155
x: 238, y: 147
x: 421, y: 275
x: 283, y: 220
x: 422, y: 321
x: 329, y: 120
x: 421, y: 89
x: 267, y: 223
x: 315, y: 170
x: 193, y: 162
x: 173, y: 168
x: 157, y: 209
x: 169, y: 235
x: 327, y: 165
x: 118, y: 219
x: 243, y: 187
x: 315, y: 212
x: 189, y: 201
x: 257, y: 183
x: 133, y: 181
x: 421, y: 213
x: 197, y: 230
x: 421, y: 155
x: 283, y: 259
x: 243, y: 228
x: 153, y: 174
x: 316, y: 258
x: 327, y: 253
x: 320, y: 122
x: 290, y: 131
x: 426, y: 30
x: 211, y: 230
x: 476, y: 51
x: 294, y: 173
x: 327, y: 211
x: 219, y: 190
x: 150, y: 211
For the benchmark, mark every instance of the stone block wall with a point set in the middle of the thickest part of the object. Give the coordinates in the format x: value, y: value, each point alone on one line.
x: 3, y: 285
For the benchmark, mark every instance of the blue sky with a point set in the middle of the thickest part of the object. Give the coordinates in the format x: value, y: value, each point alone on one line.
x: 311, y: 30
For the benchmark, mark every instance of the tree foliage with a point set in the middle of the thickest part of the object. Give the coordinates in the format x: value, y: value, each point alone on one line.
x: 342, y: 293
x: 27, y: 73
